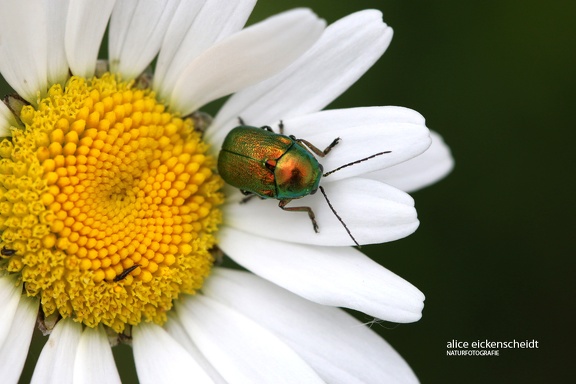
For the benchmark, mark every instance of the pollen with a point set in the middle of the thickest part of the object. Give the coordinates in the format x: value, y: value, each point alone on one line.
x: 108, y: 204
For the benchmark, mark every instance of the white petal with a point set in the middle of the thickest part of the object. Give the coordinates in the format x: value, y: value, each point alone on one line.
x: 245, y: 58
x: 177, y: 41
x: 337, y: 346
x: 85, y: 26
x: 342, y: 277
x: 10, y: 294
x: 14, y: 349
x: 137, y: 29
x: 373, y: 212
x: 196, y: 27
x: 160, y: 359
x: 7, y: 120
x: 363, y: 132
x: 57, y: 64
x: 241, y: 350
x: 175, y: 329
x: 56, y: 362
x: 23, y: 47
x: 340, y: 57
x: 421, y: 171
x: 94, y: 362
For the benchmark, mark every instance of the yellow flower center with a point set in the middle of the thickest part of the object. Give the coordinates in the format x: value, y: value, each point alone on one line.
x: 108, y: 204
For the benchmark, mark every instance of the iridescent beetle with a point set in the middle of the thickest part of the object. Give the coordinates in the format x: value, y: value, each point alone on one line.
x: 274, y: 166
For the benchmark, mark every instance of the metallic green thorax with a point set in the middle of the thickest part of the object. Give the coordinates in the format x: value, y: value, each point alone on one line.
x: 268, y: 164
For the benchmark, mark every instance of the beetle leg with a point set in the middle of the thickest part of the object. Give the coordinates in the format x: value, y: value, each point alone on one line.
x: 332, y: 145
x: 249, y: 195
x: 308, y: 144
x: 315, y: 149
x: 246, y: 199
x: 241, y: 121
x: 282, y: 204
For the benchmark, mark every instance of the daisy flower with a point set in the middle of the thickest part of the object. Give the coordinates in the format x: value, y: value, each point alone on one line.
x: 112, y: 213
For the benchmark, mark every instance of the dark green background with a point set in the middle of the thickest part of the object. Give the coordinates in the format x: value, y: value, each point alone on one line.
x: 495, y: 250
x: 494, y: 253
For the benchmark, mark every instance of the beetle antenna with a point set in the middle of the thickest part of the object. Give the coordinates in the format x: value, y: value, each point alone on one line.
x: 355, y: 162
x: 338, y: 217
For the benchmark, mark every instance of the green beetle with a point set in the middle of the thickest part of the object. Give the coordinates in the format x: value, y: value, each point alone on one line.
x: 274, y: 166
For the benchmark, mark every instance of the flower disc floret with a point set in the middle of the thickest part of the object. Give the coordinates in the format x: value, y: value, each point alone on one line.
x: 109, y: 203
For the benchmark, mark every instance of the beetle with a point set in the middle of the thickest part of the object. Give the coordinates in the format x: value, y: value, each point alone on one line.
x: 7, y: 252
x: 263, y: 163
